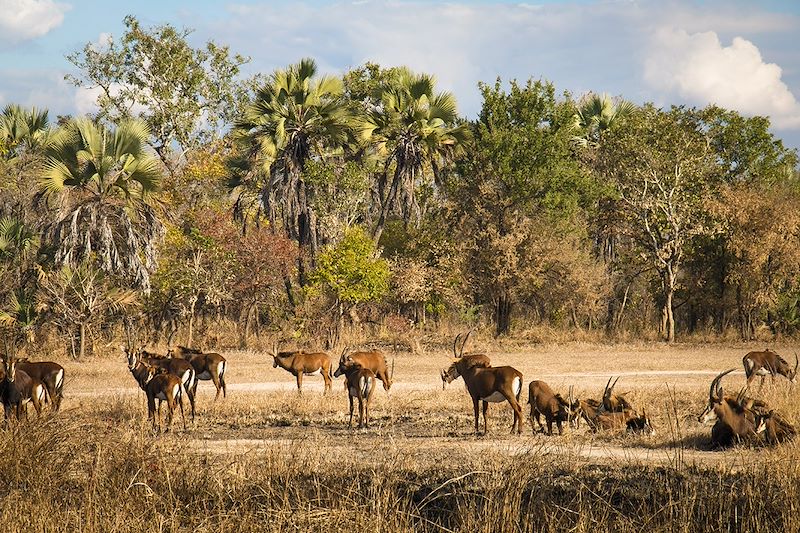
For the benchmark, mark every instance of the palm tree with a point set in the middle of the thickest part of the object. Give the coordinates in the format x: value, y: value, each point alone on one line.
x: 294, y: 116
x: 415, y: 128
x: 596, y: 114
x: 23, y: 131
x: 101, y: 180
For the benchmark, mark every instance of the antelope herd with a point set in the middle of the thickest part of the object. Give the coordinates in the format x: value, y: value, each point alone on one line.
x: 166, y: 378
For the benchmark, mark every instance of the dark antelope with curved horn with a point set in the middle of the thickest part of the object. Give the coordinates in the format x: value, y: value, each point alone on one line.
x: 768, y: 363
x: 472, y: 359
x: 735, y: 419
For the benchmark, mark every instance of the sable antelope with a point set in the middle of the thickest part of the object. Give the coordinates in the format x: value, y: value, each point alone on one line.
x: 612, y: 412
x: 640, y: 424
x: 776, y: 428
x: 374, y: 361
x: 735, y: 421
x: 207, y: 366
x: 179, y: 367
x: 49, y: 374
x: 17, y: 389
x: 158, y: 384
x: 360, y: 383
x: 544, y: 401
x: 493, y: 384
x: 614, y: 403
x: 300, y: 363
x: 768, y: 363
x: 472, y: 359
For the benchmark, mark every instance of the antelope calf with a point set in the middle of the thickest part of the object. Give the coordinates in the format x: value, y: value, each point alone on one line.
x: 181, y: 368
x: 544, y: 401
x: 207, y: 366
x: 735, y: 419
x: 767, y: 363
x: 49, y: 374
x: 360, y: 385
x: 17, y: 389
x: 372, y: 360
x: 300, y: 363
x: 493, y: 384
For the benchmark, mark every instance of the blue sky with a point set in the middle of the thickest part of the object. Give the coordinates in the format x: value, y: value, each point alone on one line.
x: 738, y: 54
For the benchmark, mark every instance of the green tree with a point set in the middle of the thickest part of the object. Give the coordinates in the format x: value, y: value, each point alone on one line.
x: 414, y: 129
x: 100, y: 181
x: 516, y: 194
x: 185, y: 95
x: 294, y: 117
x: 597, y: 114
x: 662, y: 168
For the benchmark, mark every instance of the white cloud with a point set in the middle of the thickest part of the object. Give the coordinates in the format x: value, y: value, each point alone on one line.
x: 22, y: 20
x: 698, y: 68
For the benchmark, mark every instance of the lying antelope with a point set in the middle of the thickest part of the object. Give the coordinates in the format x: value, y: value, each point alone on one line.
x: 544, y: 401
x: 179, y: 367
x: 300, y: 363
x: 374, y: 361
x: 17, y: 389
x: 735, y: 419
x: 493, y: 384
x: 207, y: 366
x: 360, y: 385
x: 613, y: 412
x: 49, y: 374
x: 768, y: 363
x: 158, y: 384
x: 472, y: 359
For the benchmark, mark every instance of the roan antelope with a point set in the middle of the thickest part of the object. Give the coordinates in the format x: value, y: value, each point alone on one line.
x: 735, y: 419
x: 49, y: 374
x: 360, y: 385
x: 768, y: 363
x: 300, y: 363
x: 207, y: 366
x: 552, y: 406
x: 374, y: 361
x: 493, y: 384
x: 472, y: 359
x: 158, y: 384
x: 17, y: 388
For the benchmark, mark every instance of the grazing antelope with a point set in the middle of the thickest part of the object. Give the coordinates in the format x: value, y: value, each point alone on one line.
x: 207, y: 366
x: 493, y: 384
x: 373, y: 360
x: 768, y: 363
x: 178, y: 367
x: 17, y: 389
x: 158, y: 384
x: 735, y: 420
x: 300, y: 363
x: 360, y: 383
x: 544, y: 401
x: 472, y: 359
x: 49, y: 374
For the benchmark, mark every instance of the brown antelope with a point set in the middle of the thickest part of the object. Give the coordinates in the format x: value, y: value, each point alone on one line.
x: 360, y: 383
x: 17, y: 389
x: 612, y: 412
x: 776, y: 428
x: 373, y: 360
x: 493, y: 384
x: 472, y: 359
x: 300, y: 363
x: 158, y: 384
x: 179, y: 367
x: 767, y: 363
x: 735, y: 420
x: 207, y: 366
x: 544, y: 401
x: 49, y: 374
x: 614, y: 403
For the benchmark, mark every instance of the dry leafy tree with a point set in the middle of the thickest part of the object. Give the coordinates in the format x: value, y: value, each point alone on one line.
x: 661, y: 165
x: 98, y: 181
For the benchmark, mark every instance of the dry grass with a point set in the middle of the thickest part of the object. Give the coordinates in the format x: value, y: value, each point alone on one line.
x: 267, y: 459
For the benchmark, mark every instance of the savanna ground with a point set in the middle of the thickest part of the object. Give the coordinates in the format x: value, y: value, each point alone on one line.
x: 266, y: 458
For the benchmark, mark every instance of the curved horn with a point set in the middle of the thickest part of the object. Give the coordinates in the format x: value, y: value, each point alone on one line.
x: 464, y: 343
x: 715, y: 384
x: 455, y: 345
x: 796, y: 362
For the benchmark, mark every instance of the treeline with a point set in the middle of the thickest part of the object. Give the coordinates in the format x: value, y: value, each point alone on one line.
x: 302, y: 203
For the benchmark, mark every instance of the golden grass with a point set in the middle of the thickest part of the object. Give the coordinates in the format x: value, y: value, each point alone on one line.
x: 268, y: 459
